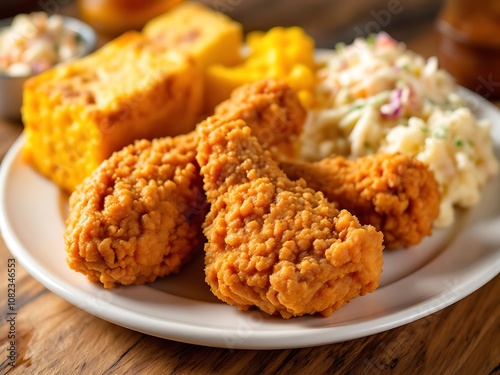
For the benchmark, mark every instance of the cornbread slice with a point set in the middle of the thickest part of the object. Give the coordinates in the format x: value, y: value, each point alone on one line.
x: 208, y: 36
x: 76, y: 115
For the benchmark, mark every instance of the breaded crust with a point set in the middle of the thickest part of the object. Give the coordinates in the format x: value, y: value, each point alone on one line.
x: 273, y: 243
x: 395, y: 193
x: 272, y: 110
x: 138, y: 216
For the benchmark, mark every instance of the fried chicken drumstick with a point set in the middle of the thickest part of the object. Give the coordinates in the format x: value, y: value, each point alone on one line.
x: 274, y: 243
x: 139, y: 215
x: 395, y: 193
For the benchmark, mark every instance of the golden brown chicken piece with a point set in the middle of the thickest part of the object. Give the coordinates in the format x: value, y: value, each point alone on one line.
x: 139, y: 215
x: 395, y: 193
x: 272, y: 110
x: 274, y: 243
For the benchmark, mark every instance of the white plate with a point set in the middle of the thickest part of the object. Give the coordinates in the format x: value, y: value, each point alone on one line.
x: 416, y: 282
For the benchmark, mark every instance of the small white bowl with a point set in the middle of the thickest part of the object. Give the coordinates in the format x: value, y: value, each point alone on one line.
x: 11, y: 87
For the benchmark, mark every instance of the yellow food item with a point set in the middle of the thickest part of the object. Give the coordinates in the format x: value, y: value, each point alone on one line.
x: 77, y: 114
x: 114, y: 17
x: 207, y: 36
x: 280, y: 53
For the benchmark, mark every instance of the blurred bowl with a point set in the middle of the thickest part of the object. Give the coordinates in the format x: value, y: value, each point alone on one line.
x: 11, y: 87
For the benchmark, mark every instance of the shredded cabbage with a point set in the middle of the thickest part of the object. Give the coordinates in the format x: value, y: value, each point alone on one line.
x: 377, y: 96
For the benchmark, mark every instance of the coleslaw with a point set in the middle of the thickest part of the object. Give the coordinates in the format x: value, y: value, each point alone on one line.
x: 35, y: 42
x: 375, y: 95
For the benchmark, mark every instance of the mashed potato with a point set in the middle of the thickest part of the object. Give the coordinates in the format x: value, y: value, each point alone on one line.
x: 375, y: 95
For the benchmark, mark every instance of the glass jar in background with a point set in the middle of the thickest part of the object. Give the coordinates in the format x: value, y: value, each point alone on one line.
x: 113, y: 17
x: 469, y: 44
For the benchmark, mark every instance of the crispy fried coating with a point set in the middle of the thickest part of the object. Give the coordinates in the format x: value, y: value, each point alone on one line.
x: 139, y: 215
x: 395, y: 193
x: 274, y: 243
x: 272, y: 110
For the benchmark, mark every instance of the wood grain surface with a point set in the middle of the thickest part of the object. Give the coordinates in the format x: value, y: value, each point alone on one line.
x: 54, y: 337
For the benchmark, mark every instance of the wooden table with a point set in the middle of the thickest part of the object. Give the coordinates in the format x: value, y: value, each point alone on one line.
x: 53, y: 336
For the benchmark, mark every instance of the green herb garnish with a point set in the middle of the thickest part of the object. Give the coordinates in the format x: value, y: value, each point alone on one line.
x: 440, y: 133
x: 370, y: 39
x: 340, y: 46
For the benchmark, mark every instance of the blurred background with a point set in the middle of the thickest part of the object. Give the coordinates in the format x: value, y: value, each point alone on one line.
x: 327, y: 21
x: 464, y: 34
x: 332, y: 21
